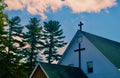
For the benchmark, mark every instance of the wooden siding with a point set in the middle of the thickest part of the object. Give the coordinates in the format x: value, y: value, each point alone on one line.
x: 39, y: 73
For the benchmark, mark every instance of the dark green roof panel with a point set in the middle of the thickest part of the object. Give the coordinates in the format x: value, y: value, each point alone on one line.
x: 60, y: 71
x: 109, y: 48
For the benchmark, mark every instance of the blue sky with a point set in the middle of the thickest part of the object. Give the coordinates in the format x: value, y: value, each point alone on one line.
x: 105, y: 23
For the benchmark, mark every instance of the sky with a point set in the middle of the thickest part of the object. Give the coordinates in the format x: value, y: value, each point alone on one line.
x: 100, y: 17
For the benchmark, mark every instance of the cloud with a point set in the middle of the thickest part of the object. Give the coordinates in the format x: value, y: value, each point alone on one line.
x: 42, y: 6
x: 14, y: 4
x: 78, y: 6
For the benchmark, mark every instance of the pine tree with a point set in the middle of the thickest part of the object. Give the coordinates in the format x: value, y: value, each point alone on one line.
x: 13, y: 64
x: 52, y: 40
x: 3, y: 23
x: 14, y: 30
x: 10, y: 66
x: 6, y: 68
x: 15, y: 35
x: 32, y: 38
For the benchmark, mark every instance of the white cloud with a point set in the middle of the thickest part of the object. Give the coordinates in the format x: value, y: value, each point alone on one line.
x: 42, y: 6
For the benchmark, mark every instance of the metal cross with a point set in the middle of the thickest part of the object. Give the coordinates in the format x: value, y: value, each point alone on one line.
x: 80, y: 25
x: 79, y: 55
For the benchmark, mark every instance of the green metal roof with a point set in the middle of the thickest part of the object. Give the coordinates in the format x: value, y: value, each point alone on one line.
x: 60, y: 71
x: 109, y: 48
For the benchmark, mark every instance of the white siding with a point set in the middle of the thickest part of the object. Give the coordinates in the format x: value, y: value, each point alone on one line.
x: 102, y: 67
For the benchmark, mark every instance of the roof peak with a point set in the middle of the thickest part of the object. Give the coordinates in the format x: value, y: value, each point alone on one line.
x: 97, y: 36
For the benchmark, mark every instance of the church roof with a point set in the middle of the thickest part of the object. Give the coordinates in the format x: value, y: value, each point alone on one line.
x: 109, y: 48
x: 60, y: 71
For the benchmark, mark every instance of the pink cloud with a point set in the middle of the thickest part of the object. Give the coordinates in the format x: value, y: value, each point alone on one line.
x: 42, y: 6
x: 14, y: 4
x: 78, y: 6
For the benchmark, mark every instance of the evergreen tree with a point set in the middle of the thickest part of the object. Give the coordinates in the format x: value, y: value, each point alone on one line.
x: 3, y: 23
x: 11, y: 60
x: 52, y: 40
x: 32, y: 39
x: 15, y: 35
x: 10, y: 66
x: 7, y: 69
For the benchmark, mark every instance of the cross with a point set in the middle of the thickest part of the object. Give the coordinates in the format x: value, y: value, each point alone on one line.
x: 79, y: 55
x: 80, y: 25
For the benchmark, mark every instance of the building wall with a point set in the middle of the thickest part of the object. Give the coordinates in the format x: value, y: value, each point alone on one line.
x: 102, y: 67
x: 38, y: 73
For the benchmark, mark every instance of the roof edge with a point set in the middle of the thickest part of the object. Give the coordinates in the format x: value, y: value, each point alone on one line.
x: 65, y: 52
x: 36, y: 68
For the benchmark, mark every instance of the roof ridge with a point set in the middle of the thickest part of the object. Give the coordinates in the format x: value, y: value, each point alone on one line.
x: 100, y: 36
x: 57, y: 65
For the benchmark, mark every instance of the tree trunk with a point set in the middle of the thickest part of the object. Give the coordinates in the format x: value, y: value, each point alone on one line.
x: 50, y: 49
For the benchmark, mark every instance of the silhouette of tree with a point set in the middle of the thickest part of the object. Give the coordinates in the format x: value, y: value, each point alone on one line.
x: 32, y: 38
x: 15, y: 35
x: 52, y: 40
